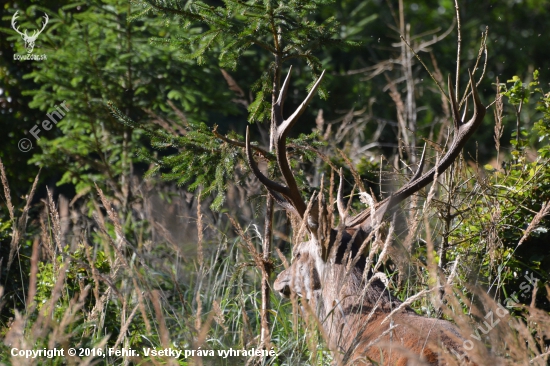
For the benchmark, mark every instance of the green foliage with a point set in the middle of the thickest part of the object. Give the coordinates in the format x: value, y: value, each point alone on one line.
x: 207, y: 160
x: 520, y: 93
x: 16, y: 276
x: 78, y: 275
x: 542, y: 126
x: 516, y: 93
x: 284, y: 30
x: 503, y: 232
x: 183, y: 24
x: 165, y: 70
x: 95, y: 54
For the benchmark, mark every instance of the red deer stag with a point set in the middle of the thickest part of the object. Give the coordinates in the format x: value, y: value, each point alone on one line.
x: 361, y: 320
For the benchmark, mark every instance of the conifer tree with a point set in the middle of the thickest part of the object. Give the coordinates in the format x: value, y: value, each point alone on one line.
x: 94, y: 53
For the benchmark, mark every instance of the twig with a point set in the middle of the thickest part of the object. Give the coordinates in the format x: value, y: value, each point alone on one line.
x: 459, y: 41
x: 261, y: 151
x: 426, y: 68
x: 544, y: 211
x: 482, y: 50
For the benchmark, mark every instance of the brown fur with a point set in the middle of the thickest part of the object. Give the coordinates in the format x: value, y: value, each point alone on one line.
x: 353, y: 315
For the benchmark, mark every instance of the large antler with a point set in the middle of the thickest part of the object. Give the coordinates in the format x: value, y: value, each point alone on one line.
x: 288, y: 196
x: 13, y: 24
x: 462, y: 133
x: 36, y: 33
x: 44, y: 22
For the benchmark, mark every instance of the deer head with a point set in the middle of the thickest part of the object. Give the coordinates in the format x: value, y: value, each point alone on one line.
x: 315, y: 253
x: 329, y: 269
x: 29, y: 40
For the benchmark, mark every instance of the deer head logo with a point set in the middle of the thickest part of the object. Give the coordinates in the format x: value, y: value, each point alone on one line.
x: 29, y: 40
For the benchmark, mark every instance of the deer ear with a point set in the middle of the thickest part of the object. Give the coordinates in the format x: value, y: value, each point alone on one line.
x: 312, y: 220
x: 325, y: 245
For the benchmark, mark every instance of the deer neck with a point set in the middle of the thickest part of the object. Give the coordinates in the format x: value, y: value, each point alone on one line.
x: 347, y: 304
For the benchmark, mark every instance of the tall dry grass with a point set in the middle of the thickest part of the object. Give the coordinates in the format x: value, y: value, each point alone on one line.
x: 165, y: 272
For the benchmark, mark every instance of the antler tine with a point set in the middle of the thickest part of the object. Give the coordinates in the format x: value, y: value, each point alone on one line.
x: 465, y: 110
x: 454, y: 104
x: 418, y: 173
x: 273, y: 187
x: 463, y: 131
x: 45, y: 22
x: 13, y: 22
x: 288, y: 196
x: 477, y: 101
x: 290, y: 121
x: 294, y: 194
x: 278, y: 107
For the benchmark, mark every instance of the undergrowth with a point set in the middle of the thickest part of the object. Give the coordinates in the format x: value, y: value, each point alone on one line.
x: 100, y: 276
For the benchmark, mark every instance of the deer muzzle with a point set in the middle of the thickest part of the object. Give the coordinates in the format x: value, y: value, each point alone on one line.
x: 282, y: 285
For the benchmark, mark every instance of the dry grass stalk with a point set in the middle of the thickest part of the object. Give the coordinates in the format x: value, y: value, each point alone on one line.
x: 54, y: 215
x: 57, y: 291
x: 70, y: 316
x: 125, y: 327
x: 493, y: 239
x: 45, y: 239
x: 218, y: 315
x: 7, y: 193
x: 385, y: 248
x: 356, y: 176
x: 93, y: 269
x: 20, y: 226
x: 98, y: 312
x: 499, y: 126
x: 412, y: 231
x: 200, y: 256
x: 120, y: 258
x: 313, y: 322
x: 113, y: 217
x: 142, y: 309
x: 544, y: 211
x: 15, y: 337
x: 201, y: 339
x: 200, y: 233
x: 248, y: 243
x: 33, y: 275
x: 163, y: 331
x: 299, y: 226
x: 43, y: 324
x: 403, y: 137
x: 407, y: 302
x: 432, y: 265
x: 2, y: 300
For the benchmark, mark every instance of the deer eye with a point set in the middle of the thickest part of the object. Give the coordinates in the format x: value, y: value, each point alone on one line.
x: 297, y: 256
